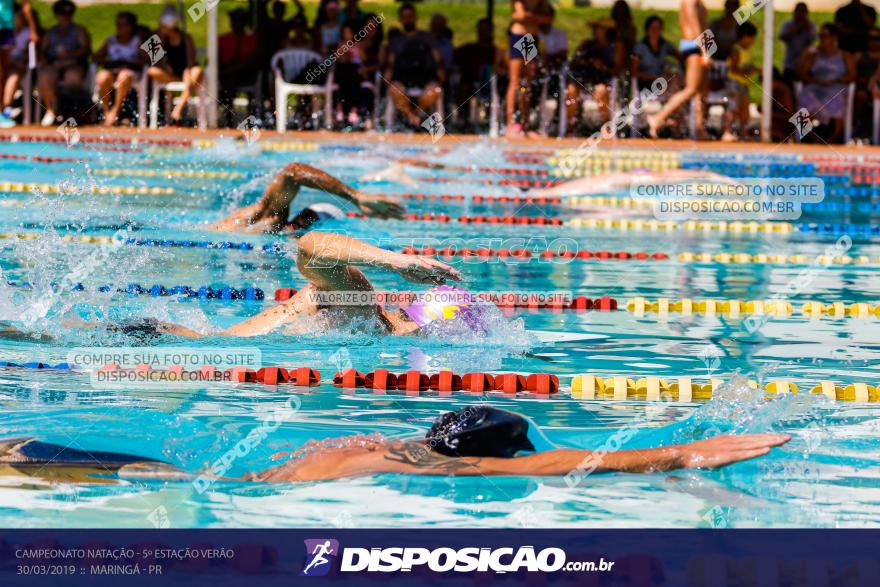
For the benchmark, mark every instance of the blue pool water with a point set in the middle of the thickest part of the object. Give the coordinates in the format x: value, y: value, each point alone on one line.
x: 827, y: 476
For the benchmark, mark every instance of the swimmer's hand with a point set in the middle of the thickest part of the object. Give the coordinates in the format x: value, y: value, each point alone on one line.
x: 380, y: 206
x: 724, y: 450
x: 423, y: 269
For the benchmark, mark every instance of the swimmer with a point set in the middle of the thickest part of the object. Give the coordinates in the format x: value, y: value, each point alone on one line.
x: 272, y: 213
x: 331, y: 264
x: 396, y: 172
x: 473, y: 441
x: 625, y: 180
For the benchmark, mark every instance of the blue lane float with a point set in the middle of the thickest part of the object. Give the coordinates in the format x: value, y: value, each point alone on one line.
x: 204, y: 292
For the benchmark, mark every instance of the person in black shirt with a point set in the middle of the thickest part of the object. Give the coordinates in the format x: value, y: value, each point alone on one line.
x: 854, y: 21
x: 413, y: 63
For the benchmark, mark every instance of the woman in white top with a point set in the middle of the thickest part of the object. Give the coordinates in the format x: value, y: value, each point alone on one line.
x: 121, y: 59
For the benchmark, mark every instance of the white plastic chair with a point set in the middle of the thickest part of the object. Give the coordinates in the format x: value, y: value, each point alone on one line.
x: 170, y: 89
x: 288, y: 64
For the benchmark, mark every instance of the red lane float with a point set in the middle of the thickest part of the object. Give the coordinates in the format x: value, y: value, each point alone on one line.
x: 446, y: 381
x: 518, y: 220
x: 478, y: 198
x: 546, y: 254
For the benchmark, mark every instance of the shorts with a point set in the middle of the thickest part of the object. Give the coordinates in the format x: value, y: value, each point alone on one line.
x: 688, y: 48
x: 7, y: 38
x: 736, y: 88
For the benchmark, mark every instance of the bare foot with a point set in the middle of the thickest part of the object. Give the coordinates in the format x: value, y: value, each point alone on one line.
x: 110, y: 119
x: 729, y: 137
x: 514, y: 131
x: 177, y: 113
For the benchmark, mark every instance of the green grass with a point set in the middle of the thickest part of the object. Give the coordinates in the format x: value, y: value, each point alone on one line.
x: 99, y: 19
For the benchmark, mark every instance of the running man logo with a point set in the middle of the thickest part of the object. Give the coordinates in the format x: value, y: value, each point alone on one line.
x: 154, y: 49
x: 68, y: 129
x: 320, y: 553
x: 803, y: 123
x: 527, y: 46
x: 250, y: 129
x: 706, y: 43
x: 434, y: 125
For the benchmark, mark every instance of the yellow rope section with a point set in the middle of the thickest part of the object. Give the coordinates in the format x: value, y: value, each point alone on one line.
x: 737, y: 308
x: 684, y: 389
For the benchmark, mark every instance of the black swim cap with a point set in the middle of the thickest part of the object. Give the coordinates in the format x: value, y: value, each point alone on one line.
x: 479, y: 431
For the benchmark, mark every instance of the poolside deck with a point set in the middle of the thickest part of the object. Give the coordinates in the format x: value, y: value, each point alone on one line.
x: 449, y: 140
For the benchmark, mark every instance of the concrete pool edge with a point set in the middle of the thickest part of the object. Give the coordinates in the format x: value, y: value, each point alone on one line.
x: 370, y: 138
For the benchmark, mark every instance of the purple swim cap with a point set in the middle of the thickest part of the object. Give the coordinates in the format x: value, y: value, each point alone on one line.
x: 447, y: 303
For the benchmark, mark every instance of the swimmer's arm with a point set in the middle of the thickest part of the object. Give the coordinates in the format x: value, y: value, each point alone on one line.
x: 302, y: 175
x: 707, y: 454
x: 703, y: 454
x: 322, y: 254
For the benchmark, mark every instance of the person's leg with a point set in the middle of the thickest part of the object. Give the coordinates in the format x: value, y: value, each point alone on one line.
x: 397, y: 92
x: 11, y: 87
x: 695, y: 73
x: 429, y: 98
x: 5, y: 62
x: 74, y: 77
x: 47, y: 81
x: 104, y: 85
x: 191, y: 78
x: 161, y: 76
x: 603, y: 99
x: 573, y: 106
x: 124, y: 81
x: 514, y: 80
x: 529, y: 74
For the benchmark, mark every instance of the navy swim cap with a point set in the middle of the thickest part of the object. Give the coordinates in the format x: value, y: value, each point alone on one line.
x: 480, y: 431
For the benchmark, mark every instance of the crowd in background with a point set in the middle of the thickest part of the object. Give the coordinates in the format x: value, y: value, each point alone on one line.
x: 417, y: 68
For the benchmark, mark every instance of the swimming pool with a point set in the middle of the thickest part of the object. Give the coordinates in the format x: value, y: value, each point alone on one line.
x: 825, y: 477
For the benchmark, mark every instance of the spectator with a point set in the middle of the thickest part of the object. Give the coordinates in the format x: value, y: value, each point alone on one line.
x: 624, y: 34
x: 798, y: 34
x: 826, y: 70
x: 15, y: 66
x: 328, y: 32
x: 277, y: 28
x: 782, y: 110
x: 651, y: 55
x: 592, y: 66
x: 554, y: 43
x: 522, y: 46
x: 442, y: 35
x: 867, y: 74
x: 122, y: 59
x: 354, y: 16
x: 65, y: 51
x: 477, y: 62
x: 853, y: 22
x: 413, y: 63
x: 692, y: 23
x: 353, y: 98
x: 179, y: 61
x: 739, y: 68
x: 724, y: 30
x: 373, y: 34
x: 301, y: 36
x: 237, y: 58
